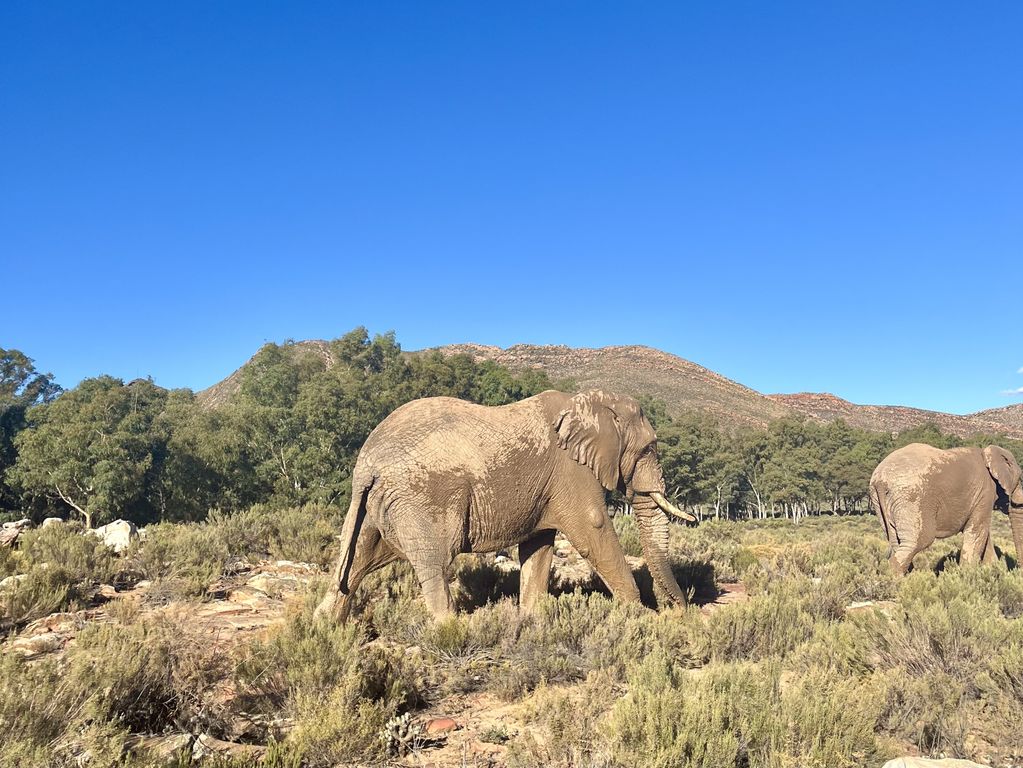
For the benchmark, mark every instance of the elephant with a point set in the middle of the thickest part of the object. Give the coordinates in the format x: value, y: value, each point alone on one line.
x: 441, y: 476
x: 921, y: 493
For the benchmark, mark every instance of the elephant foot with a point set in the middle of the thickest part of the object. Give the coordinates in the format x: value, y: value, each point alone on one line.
x: 332, y: 606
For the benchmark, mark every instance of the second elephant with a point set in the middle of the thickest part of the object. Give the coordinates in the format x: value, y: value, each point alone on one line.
x: 441, y: 476
x: 922, y: 493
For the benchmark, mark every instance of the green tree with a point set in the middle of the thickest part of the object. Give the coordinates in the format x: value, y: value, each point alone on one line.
x: 21, y: 387
x: 95, y: 449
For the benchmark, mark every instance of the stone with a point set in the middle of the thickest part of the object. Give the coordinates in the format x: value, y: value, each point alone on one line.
x: 12, y: 581
x: 273, y: 584
x: 440, y: 725
x: 52, y: 521
x: 164, y: 750
x: 117, y: 535
x: 206, y: 746
x: 10, y: 532
x: 107, y: 591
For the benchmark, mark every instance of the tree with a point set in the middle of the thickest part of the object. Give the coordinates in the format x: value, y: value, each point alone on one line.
x: 95, y: 449
x: 21, y: 387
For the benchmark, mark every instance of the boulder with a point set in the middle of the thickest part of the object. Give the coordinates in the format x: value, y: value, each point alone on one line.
x: 12, y: 581
x: 117, y: 535
x: 53, y: 521
x: 10, y: 532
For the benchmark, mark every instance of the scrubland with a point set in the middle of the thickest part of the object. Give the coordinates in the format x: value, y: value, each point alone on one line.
x: 826, y: 662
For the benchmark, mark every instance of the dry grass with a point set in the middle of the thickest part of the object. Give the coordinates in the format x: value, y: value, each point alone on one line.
x: 787, y: 678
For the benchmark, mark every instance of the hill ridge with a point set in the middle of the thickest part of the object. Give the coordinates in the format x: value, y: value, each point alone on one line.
x: 683, y: 385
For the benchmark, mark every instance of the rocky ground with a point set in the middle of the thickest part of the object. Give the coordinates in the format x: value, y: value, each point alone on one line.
x: 459, y: 730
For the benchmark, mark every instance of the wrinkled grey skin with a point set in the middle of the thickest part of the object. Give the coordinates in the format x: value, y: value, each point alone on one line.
x: 921, y: 493
x: 441, y: 476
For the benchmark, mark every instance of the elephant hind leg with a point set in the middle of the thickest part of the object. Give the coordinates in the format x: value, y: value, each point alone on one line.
x: 372, y: 552
x: 901, y: 559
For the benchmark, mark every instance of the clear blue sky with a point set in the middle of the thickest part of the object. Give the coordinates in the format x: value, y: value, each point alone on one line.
x: 801, y: 196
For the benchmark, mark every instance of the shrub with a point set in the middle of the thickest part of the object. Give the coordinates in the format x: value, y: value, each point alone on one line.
x: 188, y: 559
x: 148, y: 677
x: 340, y: 688
x: 766, y: 625
x: 572, y: 723
x: 60, y: 567
x: 742, y: 715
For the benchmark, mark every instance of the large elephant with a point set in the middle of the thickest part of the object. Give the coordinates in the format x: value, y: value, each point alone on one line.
x: 441, y: 476
x: 921, y: 493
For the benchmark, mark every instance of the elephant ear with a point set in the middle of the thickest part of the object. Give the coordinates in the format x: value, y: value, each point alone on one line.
x: 1003, y: 468
x: 588, y: 430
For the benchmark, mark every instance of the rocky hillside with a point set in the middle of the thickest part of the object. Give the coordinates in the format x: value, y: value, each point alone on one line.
x: 686, y: 386
x: 683, y: 385
x: 636, y: 371
x: 895, y: 418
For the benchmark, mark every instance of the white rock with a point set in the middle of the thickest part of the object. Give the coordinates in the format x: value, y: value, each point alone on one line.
x: 117, y: 535
x: 53, y: 521
x: 10, y: 581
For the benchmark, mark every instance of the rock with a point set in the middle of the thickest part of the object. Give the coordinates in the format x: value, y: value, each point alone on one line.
x: 207, y: 746
x: 505, y: 564
x: 866, y: 605
x: 52, y: 521
x: 107, y: 591
x: 12, y: 581
x: 440, y: 725
x: 117, y: 535
x: 30, y: 647
x: 10, y: 532
x: 250, y: 597
x: 273, y: 584
x: 163, y: 749
x: 924, y: 762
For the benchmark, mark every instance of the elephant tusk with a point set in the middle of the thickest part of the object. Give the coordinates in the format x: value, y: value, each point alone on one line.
x: 670, y: 508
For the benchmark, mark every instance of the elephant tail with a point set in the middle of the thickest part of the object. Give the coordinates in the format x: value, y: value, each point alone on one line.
x: 350, y: 532
x: 875, y: 502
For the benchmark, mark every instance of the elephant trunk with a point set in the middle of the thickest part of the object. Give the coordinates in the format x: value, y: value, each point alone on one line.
x: 1016, y: 522
x: 653, y: 536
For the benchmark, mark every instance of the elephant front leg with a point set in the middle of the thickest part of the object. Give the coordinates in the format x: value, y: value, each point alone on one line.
x: 535, y: 556
x: 593, y: 535
x: 989, y: 551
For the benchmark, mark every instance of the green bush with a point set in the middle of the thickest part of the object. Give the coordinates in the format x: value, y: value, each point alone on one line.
x: 187, y: 559
x: 340, y: 688
x: 743, y: 715
x: 60, y: 568
x: 148, y: 677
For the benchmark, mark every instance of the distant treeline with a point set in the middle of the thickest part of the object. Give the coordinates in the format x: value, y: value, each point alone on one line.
x: 290, y: 435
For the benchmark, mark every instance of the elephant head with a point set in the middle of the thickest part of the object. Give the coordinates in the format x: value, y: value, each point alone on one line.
x: 1007, y: 475
x: 611, y: 436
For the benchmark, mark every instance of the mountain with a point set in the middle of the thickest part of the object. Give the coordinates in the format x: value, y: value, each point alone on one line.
x: 684, y: 386
x: 895, y: 418
x: 679, y: 384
